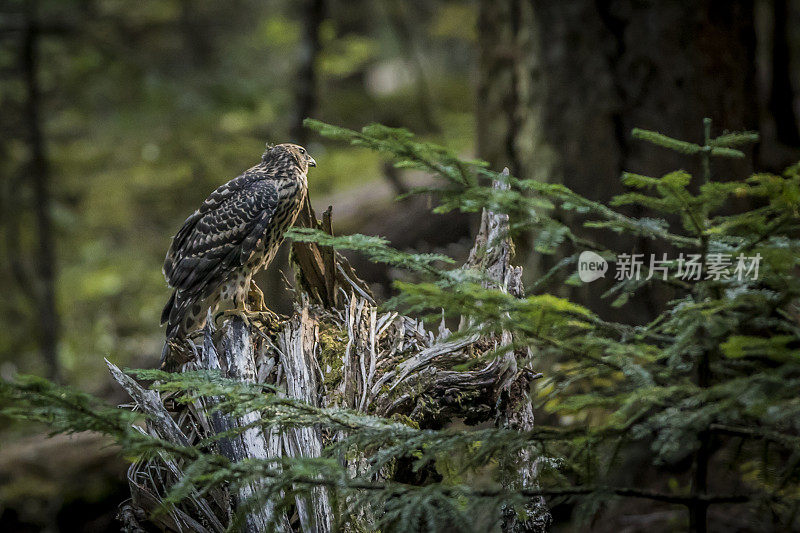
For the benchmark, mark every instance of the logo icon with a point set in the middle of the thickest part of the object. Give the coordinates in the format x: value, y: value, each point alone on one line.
x: 591, y: 266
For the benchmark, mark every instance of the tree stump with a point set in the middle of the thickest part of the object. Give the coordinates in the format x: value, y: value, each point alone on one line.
x: 339, y: 350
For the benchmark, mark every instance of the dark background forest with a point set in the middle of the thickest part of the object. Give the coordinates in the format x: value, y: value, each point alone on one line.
x: 118, y: 118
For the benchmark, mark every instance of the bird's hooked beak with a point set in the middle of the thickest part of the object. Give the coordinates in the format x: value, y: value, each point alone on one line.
x: 311, y: 162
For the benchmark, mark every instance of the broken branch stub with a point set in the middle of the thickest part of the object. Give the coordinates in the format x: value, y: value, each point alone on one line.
x: 320, y: 270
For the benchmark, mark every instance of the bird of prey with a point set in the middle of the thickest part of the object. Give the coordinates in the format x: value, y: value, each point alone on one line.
x: 235, y: 233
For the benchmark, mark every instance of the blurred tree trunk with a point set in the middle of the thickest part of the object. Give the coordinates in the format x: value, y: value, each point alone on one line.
x: 312, y: 13
x: 410, y: 39
x: 561, y: 85
x: 781, y: 98
x: 39, y: 174
x: 199, y: 50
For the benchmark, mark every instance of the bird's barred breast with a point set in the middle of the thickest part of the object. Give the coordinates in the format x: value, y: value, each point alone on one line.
x: 291, y: 194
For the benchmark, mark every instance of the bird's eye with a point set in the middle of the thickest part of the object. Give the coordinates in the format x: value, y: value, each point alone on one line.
x: 302, y: 150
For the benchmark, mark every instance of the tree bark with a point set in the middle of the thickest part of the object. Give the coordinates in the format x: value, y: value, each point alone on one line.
x: 561, y: 85
x: 296, y: 351
x: 238, y: 362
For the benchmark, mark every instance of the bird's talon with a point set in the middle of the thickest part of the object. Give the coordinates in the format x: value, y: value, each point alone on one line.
x: 267, y: 318
x: 255, y: 297
x: 239, y: 313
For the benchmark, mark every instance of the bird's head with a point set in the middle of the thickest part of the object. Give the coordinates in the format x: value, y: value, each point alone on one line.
x: 290, y: 154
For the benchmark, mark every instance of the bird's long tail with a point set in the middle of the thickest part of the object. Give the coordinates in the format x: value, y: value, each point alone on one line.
x: 181, y: 323
x: 168, y: 307
x: 165, y: 356
x: 172, y: 315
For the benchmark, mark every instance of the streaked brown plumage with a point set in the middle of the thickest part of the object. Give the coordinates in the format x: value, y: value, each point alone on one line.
x: 235, y: 233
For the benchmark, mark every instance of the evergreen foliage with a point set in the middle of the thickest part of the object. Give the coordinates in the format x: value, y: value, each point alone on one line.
x: 709, y: 385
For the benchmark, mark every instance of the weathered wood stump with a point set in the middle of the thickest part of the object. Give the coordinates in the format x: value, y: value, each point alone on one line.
x: 338, y: 349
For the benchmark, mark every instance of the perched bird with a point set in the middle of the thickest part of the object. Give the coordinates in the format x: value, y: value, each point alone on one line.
x: 235, y: 233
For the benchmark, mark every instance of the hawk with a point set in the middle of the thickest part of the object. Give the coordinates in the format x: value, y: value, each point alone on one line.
x: 234, y: 234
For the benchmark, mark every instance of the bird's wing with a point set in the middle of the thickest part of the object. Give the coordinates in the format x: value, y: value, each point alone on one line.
x: 222, y: 194
x: 220, y: 236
